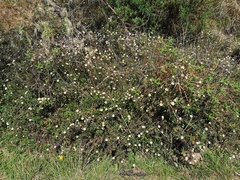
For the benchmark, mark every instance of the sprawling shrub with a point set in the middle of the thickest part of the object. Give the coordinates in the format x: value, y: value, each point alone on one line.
x: 114, y: 92
x: 120, y: 94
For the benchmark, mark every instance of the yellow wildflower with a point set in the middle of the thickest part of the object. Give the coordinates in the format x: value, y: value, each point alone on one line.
x: 60, y: 158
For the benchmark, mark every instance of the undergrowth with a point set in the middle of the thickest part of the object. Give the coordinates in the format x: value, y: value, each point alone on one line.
x: 116, y: 93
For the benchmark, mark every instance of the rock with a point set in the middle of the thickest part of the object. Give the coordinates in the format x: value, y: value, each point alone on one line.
x: 193, y: 158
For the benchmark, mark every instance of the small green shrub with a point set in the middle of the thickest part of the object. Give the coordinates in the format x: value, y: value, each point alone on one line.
x: 172, y: 18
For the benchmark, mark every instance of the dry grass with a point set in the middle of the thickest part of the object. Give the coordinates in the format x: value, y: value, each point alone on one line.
x: 16, y: 13
x: 229, y: 16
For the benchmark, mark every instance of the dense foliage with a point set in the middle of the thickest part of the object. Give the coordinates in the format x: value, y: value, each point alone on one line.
x: 175, y: 18
x: 74, y: 82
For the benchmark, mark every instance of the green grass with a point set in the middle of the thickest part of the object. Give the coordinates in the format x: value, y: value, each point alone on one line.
x: 34, y: 165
